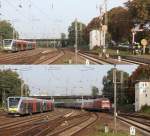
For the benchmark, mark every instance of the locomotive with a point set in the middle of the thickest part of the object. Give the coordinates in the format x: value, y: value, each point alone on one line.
x: 27, y: 105
x: 18, y: 45
x: 100, y: 104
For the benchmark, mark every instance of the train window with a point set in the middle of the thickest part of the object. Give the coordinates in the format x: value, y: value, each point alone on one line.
x: 7, y: 42
x: 14, y: 43
x: 13, y: 102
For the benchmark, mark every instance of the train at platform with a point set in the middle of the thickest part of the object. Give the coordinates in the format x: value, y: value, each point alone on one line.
x: 14, y: 45
x: 27, y: 105
x: 100, y: 104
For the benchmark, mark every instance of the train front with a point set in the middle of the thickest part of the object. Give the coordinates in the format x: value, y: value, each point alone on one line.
x: 7, y: 44
x: 13, y: 103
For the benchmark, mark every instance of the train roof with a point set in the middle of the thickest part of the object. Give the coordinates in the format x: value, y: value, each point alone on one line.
x: 20, y: 40
x: 29, y: 98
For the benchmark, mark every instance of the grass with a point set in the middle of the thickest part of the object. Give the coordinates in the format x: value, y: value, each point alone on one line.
x: 111, y: 134
x: 112, y: 51
x: 145, y: 110
x: 100, y: 132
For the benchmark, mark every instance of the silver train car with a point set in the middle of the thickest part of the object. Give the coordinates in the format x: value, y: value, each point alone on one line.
x: 27, y: 105
x: 18, y: 45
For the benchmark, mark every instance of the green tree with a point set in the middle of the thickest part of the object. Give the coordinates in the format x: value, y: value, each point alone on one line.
x: 63, y: 39
x: 108, y: 86
x: 10, y: 84
x: 81, y: 34
x: 119, y: 24
x: 26, y: 90
x: 95, y: 91
x: 139, y: 10
x: 6, y: 30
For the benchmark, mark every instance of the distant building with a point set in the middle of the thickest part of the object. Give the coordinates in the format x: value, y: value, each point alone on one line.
x: 142, y: 94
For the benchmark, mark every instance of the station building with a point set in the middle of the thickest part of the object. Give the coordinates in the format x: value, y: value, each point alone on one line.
x: 142, y: 94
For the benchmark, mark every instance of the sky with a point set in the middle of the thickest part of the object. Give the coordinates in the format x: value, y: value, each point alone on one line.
x: 49, y: 18
x: 64, y: 80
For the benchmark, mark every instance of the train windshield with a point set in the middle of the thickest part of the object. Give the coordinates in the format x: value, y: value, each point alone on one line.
x: 13, y: 102
x: 7, y: 42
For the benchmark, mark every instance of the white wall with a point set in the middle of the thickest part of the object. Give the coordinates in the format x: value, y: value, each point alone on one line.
x: 94, y: 38
x: 142, y: 94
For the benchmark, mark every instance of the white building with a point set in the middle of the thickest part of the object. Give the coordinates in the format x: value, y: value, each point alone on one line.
x: 94, y: 39
x: 142, y: 94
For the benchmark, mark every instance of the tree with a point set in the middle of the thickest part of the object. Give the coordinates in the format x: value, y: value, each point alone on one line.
x: 81, y: 34
x: 119, y: 24
x: 10, y: 84
x: 139, y: 10
x: 6, y: 30
x: 95, y: 91
x: 108, y: 89
x: 26, y: 90
x: 63, y: 38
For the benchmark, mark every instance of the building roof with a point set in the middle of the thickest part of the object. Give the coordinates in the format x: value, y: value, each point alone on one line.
x: 142, y: 81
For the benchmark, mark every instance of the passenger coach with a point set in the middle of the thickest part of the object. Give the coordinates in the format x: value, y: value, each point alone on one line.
x: 26, y: 105
x: 18, y: 45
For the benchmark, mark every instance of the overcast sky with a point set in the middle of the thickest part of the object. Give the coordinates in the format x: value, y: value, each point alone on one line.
x: 64, y: 80
x: 48, y: 18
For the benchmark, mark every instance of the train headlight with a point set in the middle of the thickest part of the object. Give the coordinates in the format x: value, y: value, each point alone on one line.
x: 12, y: 110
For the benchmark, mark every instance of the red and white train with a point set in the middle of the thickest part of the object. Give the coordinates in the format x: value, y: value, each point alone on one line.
x: 18, y: 45
x: 27, y: 105
x: 100, y: 104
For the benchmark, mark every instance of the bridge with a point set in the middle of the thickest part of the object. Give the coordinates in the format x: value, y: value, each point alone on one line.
x: 53, y: 43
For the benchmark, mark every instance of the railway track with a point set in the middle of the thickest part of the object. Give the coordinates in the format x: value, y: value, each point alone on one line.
x: 38, y: 56
x: 124, y: 60
x: 75, y: 126
x: 134, y: 60
x: 92, y: 59
x: 18, y: 126
x: 97, y: 60
x: 20, y: 57
x: 141, y: 124
x: 66, y: 122
x: 50, y: 58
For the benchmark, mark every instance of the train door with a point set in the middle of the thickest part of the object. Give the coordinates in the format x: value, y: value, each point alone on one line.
x: 18, y: 44
x: 26, y: 105
x: 30, y: 106
x: 14, y: 46
x: 34, y: 106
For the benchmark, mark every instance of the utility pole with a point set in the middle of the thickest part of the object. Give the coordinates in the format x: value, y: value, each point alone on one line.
x: 115, y: 82
x: 115, y: 95
x: 22, y: 84
x: 76, y: 40
x: 100, y: 29
x: 122, y: 90
x: 105, y: 26
x: 4, y: 99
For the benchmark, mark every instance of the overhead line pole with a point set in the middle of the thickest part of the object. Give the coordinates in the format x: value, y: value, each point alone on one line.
x: 115, y: 95
x: 106, y: 25
x: 76, y: 40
